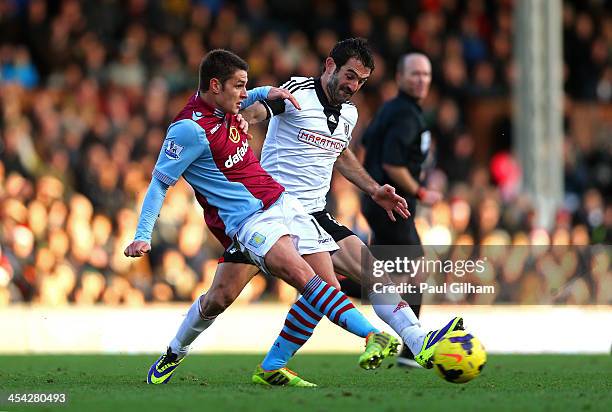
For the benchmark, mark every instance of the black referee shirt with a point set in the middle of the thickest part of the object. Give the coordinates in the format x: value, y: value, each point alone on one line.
x: 397, y: 136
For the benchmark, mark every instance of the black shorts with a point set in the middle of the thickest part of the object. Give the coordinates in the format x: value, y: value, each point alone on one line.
x: 233, y: 254
x: 327, y: 221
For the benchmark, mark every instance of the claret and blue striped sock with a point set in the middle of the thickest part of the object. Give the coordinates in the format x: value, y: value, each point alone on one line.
x: 318, y: 299
x: 337, y: 307
x: 299, y: 325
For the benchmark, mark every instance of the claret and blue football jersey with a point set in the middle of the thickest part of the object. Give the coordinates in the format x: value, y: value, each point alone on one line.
x: 206, y: 147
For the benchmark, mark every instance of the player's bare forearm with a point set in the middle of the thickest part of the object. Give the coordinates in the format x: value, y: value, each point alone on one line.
x: 255, y: 113
x: 402, y: 178
x: 350, y: 168
x: 384, y: 196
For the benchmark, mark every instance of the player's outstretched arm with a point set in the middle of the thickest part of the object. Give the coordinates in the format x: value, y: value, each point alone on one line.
x: 277, y: 93
x: 258, y: 112
x: 384, y: 196
x: 184, y: 143
x: 154, y: 199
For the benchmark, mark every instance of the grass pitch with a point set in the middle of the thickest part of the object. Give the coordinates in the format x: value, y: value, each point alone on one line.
x: 222, y: 383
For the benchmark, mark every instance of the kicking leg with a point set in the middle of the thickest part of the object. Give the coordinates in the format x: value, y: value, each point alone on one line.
x: 230, y: 279
x: 283, y: 261
x: 390, y: 307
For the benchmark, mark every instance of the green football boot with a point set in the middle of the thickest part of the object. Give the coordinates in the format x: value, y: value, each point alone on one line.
x: 425, y: 356
x: 378, y: 346
x: 279, y: 377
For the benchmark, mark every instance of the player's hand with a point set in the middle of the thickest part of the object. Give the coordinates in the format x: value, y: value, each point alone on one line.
x: 386, y: 198
x: 278, y: 93
x: 243, y: 125
x: 428, y: 197
x: 137, y: 248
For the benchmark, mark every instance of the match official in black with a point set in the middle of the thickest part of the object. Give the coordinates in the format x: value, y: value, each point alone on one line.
x: 397, y: 143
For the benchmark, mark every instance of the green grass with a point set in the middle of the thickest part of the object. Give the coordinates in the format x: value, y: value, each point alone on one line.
x: 222, y: 383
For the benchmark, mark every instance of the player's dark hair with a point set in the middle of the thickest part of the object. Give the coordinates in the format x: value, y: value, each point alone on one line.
x: 354, y: 47
x: 219, y: 64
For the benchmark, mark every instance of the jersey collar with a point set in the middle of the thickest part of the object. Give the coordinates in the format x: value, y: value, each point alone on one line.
x: 322, y: 97
x: 206, y: 108
x: 331, y: 112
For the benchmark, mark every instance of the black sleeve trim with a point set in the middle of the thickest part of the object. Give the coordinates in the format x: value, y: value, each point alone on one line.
x: 268, y: 109
x: 274, y: 107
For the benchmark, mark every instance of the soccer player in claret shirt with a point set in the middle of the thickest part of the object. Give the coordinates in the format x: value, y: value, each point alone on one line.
x: 205, y: 146
x: 301, y: 148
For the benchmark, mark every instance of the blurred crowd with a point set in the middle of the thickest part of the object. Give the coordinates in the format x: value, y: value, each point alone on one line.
x: 522, y: 271
x: 87, y: 89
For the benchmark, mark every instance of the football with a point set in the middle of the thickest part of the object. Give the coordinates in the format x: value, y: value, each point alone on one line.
x: 460, y: 357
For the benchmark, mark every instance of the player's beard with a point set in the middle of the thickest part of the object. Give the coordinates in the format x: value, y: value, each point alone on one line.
x: 334, y: 91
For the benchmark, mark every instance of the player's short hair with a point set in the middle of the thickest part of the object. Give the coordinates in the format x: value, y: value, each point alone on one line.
x: 219, y: 64
x: 353, y: 47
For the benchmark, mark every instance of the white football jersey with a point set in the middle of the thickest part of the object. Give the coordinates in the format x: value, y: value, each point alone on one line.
x: 302, y: 146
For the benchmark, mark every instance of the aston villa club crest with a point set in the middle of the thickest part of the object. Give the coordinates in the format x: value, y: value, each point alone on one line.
x: 234, y: 135
x: 257, y: 239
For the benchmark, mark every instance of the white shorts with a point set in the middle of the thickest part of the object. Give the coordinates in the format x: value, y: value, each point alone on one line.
x: 260, y: 232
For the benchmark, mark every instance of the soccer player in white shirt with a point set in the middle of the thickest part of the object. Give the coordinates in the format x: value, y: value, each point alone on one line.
x: 301, y: 149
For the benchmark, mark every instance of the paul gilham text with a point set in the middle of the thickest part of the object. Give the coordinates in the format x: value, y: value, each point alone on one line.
x: 467, y: 288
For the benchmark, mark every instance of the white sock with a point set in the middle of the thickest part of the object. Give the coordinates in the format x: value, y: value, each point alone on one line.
x: 395, y: 312
x: 190, y: 329
x: 413, y: 337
